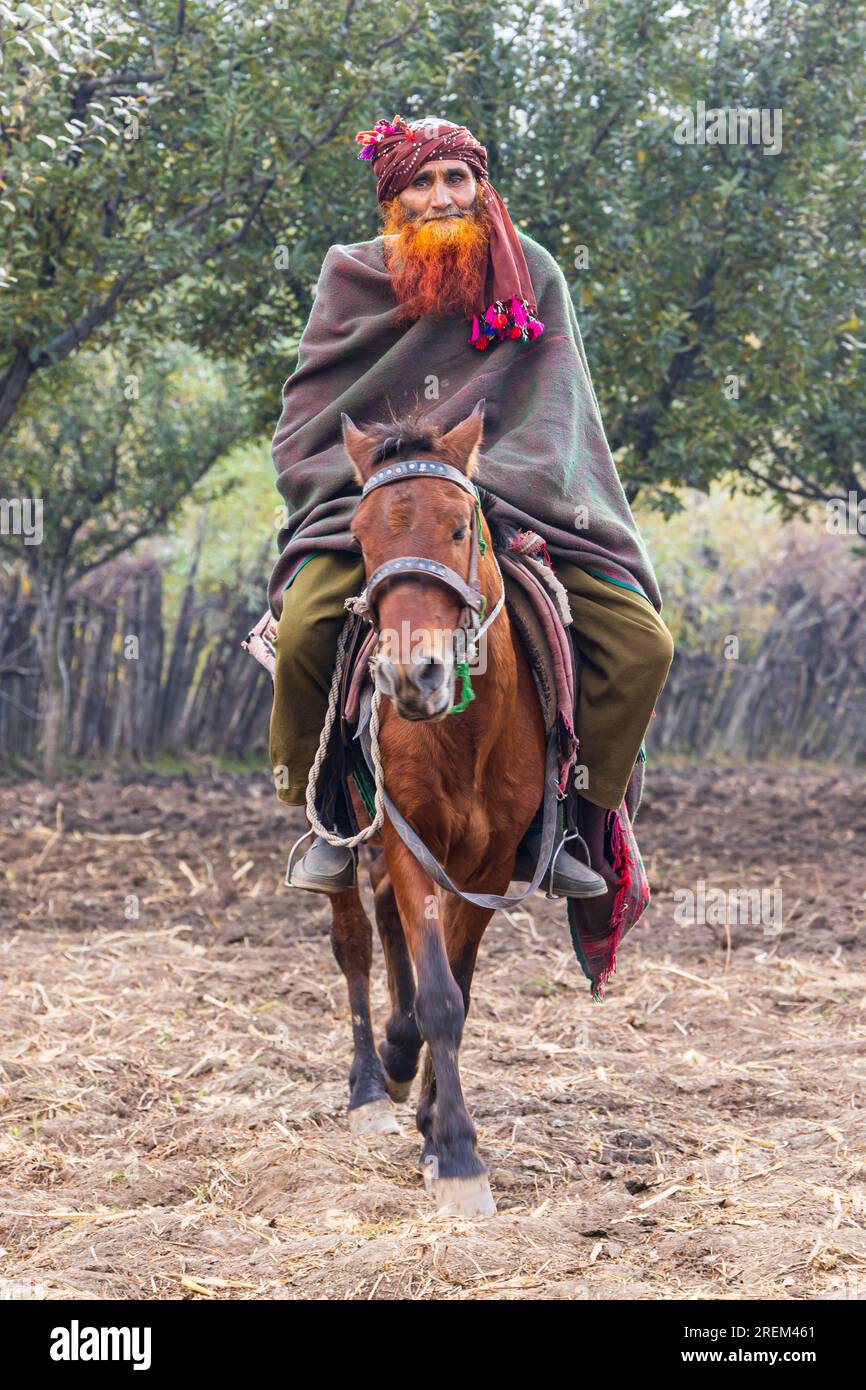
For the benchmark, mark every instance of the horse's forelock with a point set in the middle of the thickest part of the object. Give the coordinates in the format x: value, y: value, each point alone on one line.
x: 392, y: 437
x: 412, y: 432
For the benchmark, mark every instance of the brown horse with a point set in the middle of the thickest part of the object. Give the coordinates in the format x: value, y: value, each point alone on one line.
x: 469, y: 782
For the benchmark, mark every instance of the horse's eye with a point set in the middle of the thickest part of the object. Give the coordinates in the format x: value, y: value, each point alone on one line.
x: 459, y: 534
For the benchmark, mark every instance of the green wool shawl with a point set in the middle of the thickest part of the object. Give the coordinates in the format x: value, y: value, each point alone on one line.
x: 544, y: 454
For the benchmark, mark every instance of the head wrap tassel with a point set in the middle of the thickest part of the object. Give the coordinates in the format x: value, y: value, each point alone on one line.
x: 396, y: 153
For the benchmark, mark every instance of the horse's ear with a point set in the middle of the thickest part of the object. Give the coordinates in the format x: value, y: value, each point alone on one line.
x: 359, y: 448
x: 463, y: 441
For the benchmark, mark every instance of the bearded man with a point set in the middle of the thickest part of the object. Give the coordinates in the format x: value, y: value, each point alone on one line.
x: 448, y: 305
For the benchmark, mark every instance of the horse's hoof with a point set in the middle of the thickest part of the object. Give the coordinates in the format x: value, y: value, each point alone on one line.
x: 377, y: 1117
x: 430, y: 1171
x: 398, y: 1090
x: 464, y: 1196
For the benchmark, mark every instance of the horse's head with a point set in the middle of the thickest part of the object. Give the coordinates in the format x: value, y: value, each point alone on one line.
x: 418, y: 517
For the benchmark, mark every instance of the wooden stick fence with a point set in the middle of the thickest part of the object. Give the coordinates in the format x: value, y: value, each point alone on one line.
x: 136, y: 690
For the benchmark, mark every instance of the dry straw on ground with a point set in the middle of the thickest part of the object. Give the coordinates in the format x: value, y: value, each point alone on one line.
x: 173, y: 1084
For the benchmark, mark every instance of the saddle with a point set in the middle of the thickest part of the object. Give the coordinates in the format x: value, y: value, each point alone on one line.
x: 538, y: 609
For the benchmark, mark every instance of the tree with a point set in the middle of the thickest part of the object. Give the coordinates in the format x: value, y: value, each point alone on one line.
x: 101, y: 459
x: 719, y: 286
x: 160, y: 168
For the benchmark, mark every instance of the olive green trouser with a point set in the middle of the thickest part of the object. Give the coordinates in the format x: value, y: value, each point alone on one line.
x: 625, y: 647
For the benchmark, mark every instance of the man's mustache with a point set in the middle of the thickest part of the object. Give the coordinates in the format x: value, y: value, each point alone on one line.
x: 440, y: 216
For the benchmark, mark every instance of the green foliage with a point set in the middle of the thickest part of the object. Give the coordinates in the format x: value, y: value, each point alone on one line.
x: 713, y: 558
x: 167, y: 168
x: 705, y: 262
x: 180, y: 171
x: 113, y: 446
x: 237, y: 529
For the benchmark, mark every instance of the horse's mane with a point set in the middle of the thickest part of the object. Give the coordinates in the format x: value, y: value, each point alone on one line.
x: 410, y: 432
x: 502, y: 533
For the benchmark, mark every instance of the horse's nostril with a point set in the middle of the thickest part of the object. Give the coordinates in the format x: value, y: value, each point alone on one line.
x: 386, y: 676
x: 428, y: 675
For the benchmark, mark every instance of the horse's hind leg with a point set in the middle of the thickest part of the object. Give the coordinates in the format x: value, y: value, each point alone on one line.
x: 402, y: 1043
x: 425, y: 1116
x: 370, y: 1108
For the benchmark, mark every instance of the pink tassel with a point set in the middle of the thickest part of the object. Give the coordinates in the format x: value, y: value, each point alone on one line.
x: 518, y: 313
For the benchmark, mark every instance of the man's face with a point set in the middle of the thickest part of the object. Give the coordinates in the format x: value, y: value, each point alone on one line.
x: 441, y: 188
x: 437, y: 234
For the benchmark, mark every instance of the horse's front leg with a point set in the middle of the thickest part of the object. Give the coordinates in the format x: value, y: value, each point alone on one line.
x: 464, y: 928
x: 370, y: 1108
x: 460, y: 1185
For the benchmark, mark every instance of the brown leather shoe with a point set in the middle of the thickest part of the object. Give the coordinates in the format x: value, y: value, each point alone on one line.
x: 571, y: 877
x: 325, y: 868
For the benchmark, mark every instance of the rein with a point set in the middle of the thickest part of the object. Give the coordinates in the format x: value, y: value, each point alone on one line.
x: 551, y: 829
x: 473, y: 609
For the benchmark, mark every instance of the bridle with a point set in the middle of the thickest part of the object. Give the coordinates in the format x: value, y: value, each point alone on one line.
x: 468, y: 590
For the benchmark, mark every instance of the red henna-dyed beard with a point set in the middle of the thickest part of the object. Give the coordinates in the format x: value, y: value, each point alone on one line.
x: 438, y: 265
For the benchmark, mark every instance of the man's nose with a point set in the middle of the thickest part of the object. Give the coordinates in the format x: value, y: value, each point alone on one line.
x: 441, y: 196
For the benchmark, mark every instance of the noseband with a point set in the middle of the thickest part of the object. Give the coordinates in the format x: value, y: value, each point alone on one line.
x: 468, y: 590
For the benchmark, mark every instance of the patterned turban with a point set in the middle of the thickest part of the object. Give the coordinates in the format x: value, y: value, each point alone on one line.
x: 506, y: 305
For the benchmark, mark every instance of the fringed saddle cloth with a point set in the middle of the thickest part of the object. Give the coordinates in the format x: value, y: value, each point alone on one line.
x: 260, y: 642
x: 536, y: 599
x: 539, y: 610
